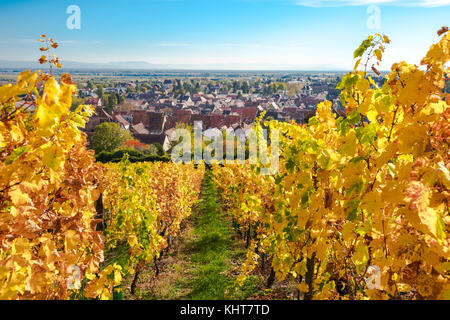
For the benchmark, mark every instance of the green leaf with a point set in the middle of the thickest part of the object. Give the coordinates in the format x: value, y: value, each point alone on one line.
x: 313, y: 121
x: 354, y: 117
x: 354, y: 209
x: 17, y: 152
x: 440, y: 228
x: 366, y: 135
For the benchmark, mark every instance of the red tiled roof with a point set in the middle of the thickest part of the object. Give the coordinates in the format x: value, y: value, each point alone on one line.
x: 231, y: 120
x: 290, y: 110
x: 140, y: 116
x: 248, y: 114
x: 205, y: 119
x: 181, y: 112
x: 218, y: 121
x: 170, y: 123
x: 122, y: 113
x: 183, y: 118
x: 94, y: 101
x: 151, y: 138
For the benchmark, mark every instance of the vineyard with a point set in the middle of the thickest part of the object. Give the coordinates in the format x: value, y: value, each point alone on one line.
x: 62, y: 213
x: 361, y: 197
x: 359, y: 208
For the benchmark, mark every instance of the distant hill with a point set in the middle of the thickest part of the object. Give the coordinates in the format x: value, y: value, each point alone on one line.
x: 143, y: 65
x: 126, y: 65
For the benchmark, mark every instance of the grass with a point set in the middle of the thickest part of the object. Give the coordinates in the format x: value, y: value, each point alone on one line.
x: 205, y: 262
x: 212, y: 248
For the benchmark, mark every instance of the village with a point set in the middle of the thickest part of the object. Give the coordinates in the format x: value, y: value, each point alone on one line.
x: 151, y: 110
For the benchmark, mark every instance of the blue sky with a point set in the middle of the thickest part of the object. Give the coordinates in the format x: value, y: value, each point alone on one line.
x: 237, y: 34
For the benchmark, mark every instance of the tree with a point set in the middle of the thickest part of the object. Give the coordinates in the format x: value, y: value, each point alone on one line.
x: 109, y: 136
x: 136, y: 145
x: 236, y: 86
x: 293, y: 89
x: 197, y: 87
x: 112, y: 100
x: 245, y: 87
x: 273, y: 88
x: 120, y: 98
x: 281, y: 86
x: 100, y: 91
x: 125, y: 107
x: 90, y: 85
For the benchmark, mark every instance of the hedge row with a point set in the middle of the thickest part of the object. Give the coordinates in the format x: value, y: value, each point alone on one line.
x: 133, y: 156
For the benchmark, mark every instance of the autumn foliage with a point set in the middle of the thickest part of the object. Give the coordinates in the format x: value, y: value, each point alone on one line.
x: 48, y: 184
x: 360, y: 193
x: 136, y: 145
x: 356, y: 193
x: 146, y: 203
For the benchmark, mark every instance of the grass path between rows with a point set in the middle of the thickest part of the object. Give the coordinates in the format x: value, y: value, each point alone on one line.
x: 214, y: 250
x: 204, y: 262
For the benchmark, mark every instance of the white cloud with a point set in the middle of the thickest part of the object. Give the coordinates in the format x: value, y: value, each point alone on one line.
x: 341, y: 3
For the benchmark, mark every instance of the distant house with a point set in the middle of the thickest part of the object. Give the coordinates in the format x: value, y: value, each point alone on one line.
x: 232, y: 120
x: 154, y: 122
x: 84, y: 93
x: 162, y: 139
x: 139, y: 128
x: 248, y: 114
x: 274, y: 106
x: 124, y: 124
x: 187, y: 101
x: 205, y: 119
x: 290, y: 110
x: 218, y: 121
x: 307, y: 90
x: 272, y: 114
x: 100, y: 116
x: 96, y: 102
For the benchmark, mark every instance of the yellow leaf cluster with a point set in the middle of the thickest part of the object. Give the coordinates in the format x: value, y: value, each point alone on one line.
x: 48, y: 185
x: 363, y: 191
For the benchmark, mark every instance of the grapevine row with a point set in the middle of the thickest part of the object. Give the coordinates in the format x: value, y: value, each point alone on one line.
x: 145, y: 204
x: 359, y: 208
x: 51, y: 246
